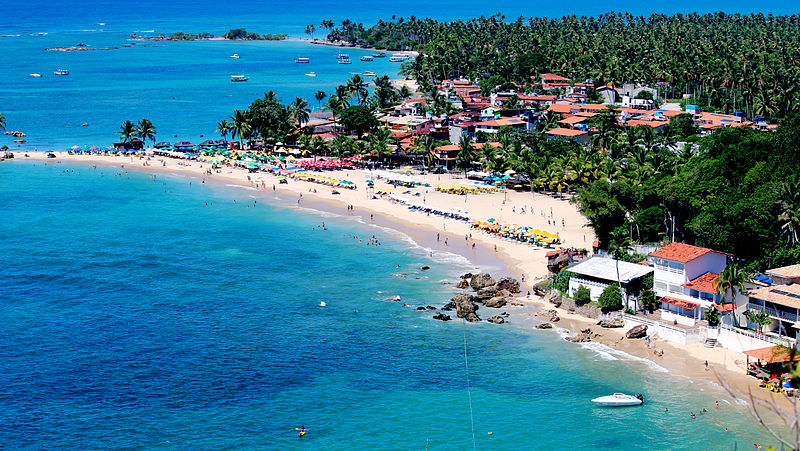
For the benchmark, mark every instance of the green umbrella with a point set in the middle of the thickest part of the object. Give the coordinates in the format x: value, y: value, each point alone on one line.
x: 490, y: 220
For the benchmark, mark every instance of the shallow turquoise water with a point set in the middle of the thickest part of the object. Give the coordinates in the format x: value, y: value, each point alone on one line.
x: 154, y: 313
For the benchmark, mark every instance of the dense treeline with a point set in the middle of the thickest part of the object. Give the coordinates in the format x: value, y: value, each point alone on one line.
x: 727, y: 61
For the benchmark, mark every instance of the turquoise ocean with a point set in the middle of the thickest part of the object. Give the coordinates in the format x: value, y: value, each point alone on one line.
x: 140, y: 312
x: 159, y: 313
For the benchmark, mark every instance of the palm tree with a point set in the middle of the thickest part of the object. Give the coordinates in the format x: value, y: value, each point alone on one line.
x: 790, y: 210
x: 298, y: 111
x: 466, y: 154
x: 618, y: 246
x: 241, y: 128
x: 2, y: 121
x: 732, y: 278
x: 127, y: 131
x: 271, y: 96
x: 320, y: 96
x: 224, y: 127
x: 343, y: 94
x: 147, y: 130
x: 357, y: 86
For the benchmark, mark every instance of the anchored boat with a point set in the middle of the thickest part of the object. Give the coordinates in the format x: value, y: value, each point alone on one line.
x: 239, y: 78
x: 619, y: 400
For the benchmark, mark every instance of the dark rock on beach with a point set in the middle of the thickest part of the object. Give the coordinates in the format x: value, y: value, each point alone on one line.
x: 441, y: 317
x: 425, y: 268
x: 467, y: 276
x: 421, y: 309
x: 550, y: 315
x: 430, y: 307
x: 637, y: 332
x: 544, y: 326
x: 497, y: 319
x: 481, y: 280
x: 611, y: 323
x: 583, y: 337
x: 472, y: 317
x: 509, y: 284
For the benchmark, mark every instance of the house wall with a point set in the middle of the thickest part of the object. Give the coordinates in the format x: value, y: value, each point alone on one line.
x: 672, y: 317
x: 711, y: 261
x: 740, y: 342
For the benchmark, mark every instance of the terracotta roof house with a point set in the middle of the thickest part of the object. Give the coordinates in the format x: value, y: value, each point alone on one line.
x: 686, y: 272
x: 782, y: 304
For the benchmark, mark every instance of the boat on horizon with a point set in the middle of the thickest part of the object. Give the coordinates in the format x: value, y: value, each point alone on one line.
x: 35, y: 75
x: 239, y: 78
x: 619, y: 400
x: 302, y: 60
x: 369, y: 73
x: 61, y: 72
x: 399, y: 58
x: 235, y: 55
x: 311, y: 74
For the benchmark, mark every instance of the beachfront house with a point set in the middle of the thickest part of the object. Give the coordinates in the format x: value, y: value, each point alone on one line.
x: 684, y: 280
x: 782, y: 304
x: 598, y: 273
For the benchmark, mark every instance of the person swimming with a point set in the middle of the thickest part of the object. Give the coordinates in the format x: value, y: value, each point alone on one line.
x: 302, y: 431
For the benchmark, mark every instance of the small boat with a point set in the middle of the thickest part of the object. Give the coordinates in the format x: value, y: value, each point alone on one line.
x: 235, y: 55
x: 342, y: 56
x: 345, y: 61
x: 311, y: 74
x: 35, y: 75
x: 61, y: 72
x: 379, y: 55
x: 302, y: 60
x: 369, y: 73
x: 366, y: 58
x: 619, y: 400
x: 239, y: 78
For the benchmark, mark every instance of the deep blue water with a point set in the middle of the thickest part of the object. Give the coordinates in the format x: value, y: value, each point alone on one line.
x: 184, y: 87
x: 139, y: 312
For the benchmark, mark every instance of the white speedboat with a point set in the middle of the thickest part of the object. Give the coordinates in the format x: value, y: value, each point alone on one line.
x: 35, y: 75
x: 619, y: 400
x: 302, y: 60
x: 311, y: 74
x: 235, y: 55
x: 61, y: 72
x: 239, y: 78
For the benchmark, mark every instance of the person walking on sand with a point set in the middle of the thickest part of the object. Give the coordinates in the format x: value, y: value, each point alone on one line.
x: 706, y: 364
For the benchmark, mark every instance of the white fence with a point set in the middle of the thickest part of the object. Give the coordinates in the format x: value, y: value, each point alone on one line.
x: 666, y: 331
x: 741, y: 340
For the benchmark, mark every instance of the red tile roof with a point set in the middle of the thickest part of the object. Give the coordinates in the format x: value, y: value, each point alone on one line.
x: 566, y: 132
x: 572, y: 120
x: 704, y: 283
x: 680, y: 303
x: 681, y: 252
x: 724, y: 308
x: 553, y: 77
x: 774, y: 354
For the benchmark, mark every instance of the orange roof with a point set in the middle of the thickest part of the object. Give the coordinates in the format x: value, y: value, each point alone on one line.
x: 585, y: 114
x: 553, y: 77
x: 724, y: 308
x: 680, y: 252
x: 572, y: 120
x: 452, y: 147
x: 501, y: 122
x: 409, y: 101
x: 704, y: 283
x: 594, y: 106
x: 788, y: 295
x: 680, y: 303
x: 562, y: 108
x: 774, y: 354
x: 566, y: 132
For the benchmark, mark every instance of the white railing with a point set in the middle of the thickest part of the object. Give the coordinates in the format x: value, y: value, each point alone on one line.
x: 781, y: 341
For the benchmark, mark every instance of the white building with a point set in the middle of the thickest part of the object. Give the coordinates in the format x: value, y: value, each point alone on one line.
x: 684, y: 279
x: 597, y: 273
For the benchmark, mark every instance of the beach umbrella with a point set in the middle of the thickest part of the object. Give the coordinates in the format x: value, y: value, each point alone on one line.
x: 491, y: 220
x: 75, y: 147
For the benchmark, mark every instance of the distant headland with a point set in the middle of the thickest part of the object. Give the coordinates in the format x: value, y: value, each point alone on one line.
x: 234, y: 34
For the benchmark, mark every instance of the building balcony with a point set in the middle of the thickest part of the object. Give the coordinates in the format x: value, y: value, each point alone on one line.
x: 775, y: 313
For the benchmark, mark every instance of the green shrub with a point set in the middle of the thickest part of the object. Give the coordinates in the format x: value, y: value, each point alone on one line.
x: 561, y: 281
x: 648, y: 301
x: 611, y: 298
x: 582, y: 295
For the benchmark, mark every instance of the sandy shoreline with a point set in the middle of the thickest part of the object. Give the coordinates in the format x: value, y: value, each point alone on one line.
x: 454, y: 236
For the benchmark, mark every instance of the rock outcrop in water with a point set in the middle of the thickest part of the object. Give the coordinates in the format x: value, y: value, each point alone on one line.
x: 509, y: 284
x: 497, y: 319
x: 495, y: 302
x: 482, y: 280
x: 441, y: 317
x: 465, y: 308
